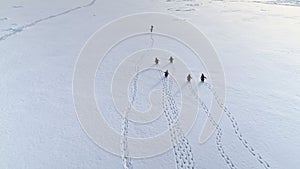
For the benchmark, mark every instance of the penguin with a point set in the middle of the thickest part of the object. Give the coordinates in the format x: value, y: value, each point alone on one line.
x: 189, y: 77
x: 171, y: 59
x: 202, y: 77
x: 166, y: 73
x: 156, y: 61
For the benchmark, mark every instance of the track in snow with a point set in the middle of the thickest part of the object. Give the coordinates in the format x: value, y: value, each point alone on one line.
x: 234, y: 125
x: 219, y: 142
x: 14, y: 31
x: 236, y: 128
x: 181, y: 147
x: 126, y: 159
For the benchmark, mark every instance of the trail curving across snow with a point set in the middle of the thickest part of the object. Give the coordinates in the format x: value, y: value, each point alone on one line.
x: 126, y: 159
x: 236, y: 128
x: 234, y: 125
x: 181, y: 147
x: 219, y: 142
x: 20, y: 29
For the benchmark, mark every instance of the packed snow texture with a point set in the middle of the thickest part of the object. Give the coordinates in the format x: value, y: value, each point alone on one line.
x: 256, y: 41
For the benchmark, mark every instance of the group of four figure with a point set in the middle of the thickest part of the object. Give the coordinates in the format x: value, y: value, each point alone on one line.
x: 171, y: 59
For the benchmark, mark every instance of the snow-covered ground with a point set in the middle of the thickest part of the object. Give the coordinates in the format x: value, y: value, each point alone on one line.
x: 258, y: 44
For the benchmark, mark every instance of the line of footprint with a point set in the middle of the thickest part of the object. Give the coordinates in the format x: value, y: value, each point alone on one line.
x: 126, y: 159
x: 219, y: 133
x: 236, y: 128
x: 182, y: 158
x: 181, y: 147
x: 14, y: 31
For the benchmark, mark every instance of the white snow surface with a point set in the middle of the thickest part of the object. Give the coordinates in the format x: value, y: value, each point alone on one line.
x: 258, y: 44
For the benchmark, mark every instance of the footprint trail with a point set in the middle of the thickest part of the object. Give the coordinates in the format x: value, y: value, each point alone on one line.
x: 181, y: 147
x: 126, y: 159
x: 26, y: 26
x: 219, y: 142
x: 236, y: 128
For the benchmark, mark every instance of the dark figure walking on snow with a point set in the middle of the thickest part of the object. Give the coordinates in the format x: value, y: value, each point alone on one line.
x: 189, y: 78
x: 151, y: 29
x: 166, y: 73
x: 202, y: 77
x: 156, y: 61
x: 171, y: 59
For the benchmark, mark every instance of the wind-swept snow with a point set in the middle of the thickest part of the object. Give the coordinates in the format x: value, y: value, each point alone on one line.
x: 256, y: 41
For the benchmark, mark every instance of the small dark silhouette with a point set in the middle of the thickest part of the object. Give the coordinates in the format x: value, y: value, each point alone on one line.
x: 151, y: 28
x: 166, y: 73
x: 156, y: 61
x: 202, y: 77
x: 189, y: 78
x: 171, y: 59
